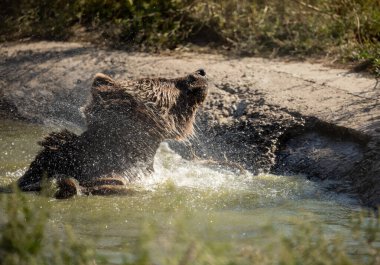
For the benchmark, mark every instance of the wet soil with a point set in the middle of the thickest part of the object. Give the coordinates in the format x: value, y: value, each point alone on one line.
x: 261, y: 115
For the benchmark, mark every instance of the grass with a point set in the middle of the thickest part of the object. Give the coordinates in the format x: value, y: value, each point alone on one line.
x: 347, y: 30
x: 27, y: 237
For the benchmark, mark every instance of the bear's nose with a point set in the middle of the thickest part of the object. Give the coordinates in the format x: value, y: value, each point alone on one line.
x: 201, y: 72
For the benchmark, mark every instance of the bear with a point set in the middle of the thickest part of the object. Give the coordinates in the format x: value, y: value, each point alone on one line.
x: 126, y: 122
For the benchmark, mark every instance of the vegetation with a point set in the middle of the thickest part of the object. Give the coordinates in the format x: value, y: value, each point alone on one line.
x: 27, y: 237
x: 348, y: 30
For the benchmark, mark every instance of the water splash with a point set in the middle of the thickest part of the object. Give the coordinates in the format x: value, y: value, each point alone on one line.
x: 196, y: 179
x: 267, y: 188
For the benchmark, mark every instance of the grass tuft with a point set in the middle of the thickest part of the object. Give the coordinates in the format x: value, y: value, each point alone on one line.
x: 25, y: 238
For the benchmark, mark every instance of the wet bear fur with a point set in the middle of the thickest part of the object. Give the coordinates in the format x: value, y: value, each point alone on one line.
x: 126, y: 122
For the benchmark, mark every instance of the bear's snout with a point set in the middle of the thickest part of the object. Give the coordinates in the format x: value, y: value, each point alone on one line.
x: 201, y: 72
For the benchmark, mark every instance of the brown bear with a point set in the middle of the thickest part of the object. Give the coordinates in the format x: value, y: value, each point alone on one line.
x: 126, y: 122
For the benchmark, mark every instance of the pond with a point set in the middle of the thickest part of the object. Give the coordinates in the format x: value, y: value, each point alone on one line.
x: 186, y: 201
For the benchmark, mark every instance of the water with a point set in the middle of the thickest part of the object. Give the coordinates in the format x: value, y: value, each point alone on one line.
x: 208, y: 203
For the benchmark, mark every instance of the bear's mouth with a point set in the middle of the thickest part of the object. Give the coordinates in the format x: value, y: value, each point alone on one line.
x: 197, y: 84
x: 199, y: 93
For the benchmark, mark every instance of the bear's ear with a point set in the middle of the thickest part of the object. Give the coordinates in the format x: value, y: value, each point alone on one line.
x: 102, y: 80
x: 102, y: 86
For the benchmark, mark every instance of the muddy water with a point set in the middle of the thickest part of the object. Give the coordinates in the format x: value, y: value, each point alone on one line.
x: 206, y: 202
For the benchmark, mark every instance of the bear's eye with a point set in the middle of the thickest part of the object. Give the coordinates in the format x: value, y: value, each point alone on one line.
x: 191, y: 79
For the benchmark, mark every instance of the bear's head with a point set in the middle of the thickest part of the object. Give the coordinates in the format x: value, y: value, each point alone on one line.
x: 161, y: 107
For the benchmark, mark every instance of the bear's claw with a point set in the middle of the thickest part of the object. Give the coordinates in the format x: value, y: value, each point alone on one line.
x: 69, y: 187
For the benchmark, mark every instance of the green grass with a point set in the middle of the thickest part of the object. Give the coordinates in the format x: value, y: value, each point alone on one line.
x: 27, y: 237
x: 348, y: 30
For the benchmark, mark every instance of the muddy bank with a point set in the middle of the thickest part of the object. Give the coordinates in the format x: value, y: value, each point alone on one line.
x: 283, y: 117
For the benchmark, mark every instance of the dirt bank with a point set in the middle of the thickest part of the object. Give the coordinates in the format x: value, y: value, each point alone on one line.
x: 266, y: 115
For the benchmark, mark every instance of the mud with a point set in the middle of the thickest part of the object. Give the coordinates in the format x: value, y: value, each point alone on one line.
x: 262, y: 115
